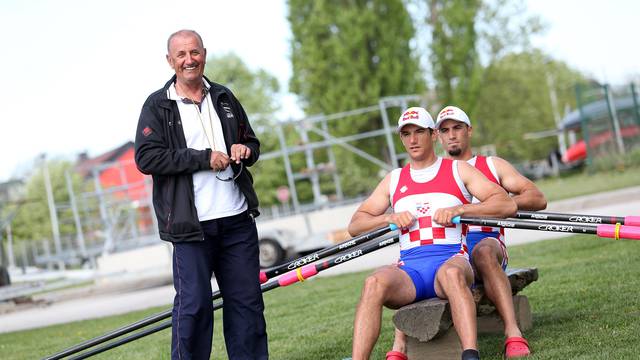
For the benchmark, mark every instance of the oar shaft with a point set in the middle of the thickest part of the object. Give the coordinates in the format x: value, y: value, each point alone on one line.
x: 603, y: 230
x: 289, y: 278
x: 264, y: 276
x: 580, y: 218
x: 111, y: 335
x: 312, y: 269
x: 530, y: 225
x: 331, y: 250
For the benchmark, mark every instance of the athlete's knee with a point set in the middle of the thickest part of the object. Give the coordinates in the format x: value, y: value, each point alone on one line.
x: 485, y: 255
x: 454, y: 275
x: 375, y: 288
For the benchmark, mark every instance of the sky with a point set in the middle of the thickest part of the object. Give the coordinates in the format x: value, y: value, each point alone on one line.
x: 76, y: 72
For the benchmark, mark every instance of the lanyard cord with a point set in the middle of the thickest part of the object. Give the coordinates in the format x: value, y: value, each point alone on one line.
x: 212, y: 142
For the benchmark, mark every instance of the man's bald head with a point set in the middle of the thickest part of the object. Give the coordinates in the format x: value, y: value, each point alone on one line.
x: 183, y: 33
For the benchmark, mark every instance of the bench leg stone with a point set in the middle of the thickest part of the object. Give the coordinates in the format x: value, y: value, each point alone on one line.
x: 491, y: 323
x: 445, y: 347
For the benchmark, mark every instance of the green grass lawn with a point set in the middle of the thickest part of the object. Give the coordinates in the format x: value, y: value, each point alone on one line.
x: 585, y: 183
x: 585, y: 306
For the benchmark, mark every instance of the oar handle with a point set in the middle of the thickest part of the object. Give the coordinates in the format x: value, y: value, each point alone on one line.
x: 632, y: 220
x: 619, y: 232
x: 299, y: 274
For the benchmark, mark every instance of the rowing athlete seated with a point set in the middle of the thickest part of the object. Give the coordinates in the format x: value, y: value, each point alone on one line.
x: 487, y: 245
x: 425, y: 195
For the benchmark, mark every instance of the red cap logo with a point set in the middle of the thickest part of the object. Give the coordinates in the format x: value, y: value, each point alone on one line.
x: 410, y: 115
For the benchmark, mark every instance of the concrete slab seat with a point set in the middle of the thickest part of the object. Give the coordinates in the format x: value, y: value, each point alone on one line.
x: 429, y: 328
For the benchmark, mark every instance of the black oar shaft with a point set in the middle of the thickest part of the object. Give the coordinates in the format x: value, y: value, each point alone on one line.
x: 281, y: 269
x: 285, y: 280
x: 273, y: 272
x: 111, y: 335
x: 532, y: 225
x: 574, y: 218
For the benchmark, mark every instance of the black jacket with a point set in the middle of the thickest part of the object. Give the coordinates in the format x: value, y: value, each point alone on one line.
x: 161, y: 151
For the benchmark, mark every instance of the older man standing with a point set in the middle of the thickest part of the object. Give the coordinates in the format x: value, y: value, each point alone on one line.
x: 194, y: 138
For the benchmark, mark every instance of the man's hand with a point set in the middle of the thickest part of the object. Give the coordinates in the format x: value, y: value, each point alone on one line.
x: 403, y: 220
x: 443, y: 216
x: 219, y: 161
x: 239, y: 152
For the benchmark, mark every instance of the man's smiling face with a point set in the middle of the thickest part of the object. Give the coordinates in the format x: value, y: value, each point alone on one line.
x: 187, y: 57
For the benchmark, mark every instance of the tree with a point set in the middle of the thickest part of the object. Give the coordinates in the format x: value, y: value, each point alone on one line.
x: 347, y: 55
x: 465, y: 34
x: 257, y: 91
x: 32, y: 219
x: 515, y: 100
x: 455, y: 61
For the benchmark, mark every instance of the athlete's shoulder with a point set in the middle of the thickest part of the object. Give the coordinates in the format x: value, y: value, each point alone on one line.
x: 499, y: 163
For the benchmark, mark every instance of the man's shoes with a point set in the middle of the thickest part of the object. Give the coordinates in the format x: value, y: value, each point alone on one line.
x: 516, y: 347
x: 396, y: 355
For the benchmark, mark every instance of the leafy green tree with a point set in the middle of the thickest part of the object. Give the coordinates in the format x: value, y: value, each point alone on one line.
x: 515, y: 100
x: 347, y: 55
x: 257, y: 90
x: 455, y: 61
x: 465, y: 34
x: 32, y: 219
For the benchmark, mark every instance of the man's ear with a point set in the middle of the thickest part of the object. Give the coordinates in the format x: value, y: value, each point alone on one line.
x: 169, y: 60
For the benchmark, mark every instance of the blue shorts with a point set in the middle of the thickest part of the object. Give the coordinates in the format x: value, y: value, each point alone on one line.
x: 422, y: 263
x: 474, y: 237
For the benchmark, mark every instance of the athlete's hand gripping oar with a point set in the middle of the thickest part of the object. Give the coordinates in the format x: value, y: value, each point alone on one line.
x: 289, y: 278
x: 604, y: 230
x: 579, y: 218
x: 216, y: 295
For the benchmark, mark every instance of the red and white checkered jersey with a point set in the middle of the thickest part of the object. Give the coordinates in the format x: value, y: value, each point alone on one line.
x: 486, y: 167
x: 442, y: 187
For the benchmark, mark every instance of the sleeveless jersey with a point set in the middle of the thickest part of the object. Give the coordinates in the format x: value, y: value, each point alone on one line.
x: 486, y: 167
x: 422, y: 199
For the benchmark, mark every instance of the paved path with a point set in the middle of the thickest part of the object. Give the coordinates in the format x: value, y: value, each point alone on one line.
x: 623, y: 202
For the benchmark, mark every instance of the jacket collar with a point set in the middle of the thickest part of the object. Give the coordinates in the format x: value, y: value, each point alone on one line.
x: 214, y: 90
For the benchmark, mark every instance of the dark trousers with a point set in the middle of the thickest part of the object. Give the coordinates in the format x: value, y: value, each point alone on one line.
x: 230, y: 251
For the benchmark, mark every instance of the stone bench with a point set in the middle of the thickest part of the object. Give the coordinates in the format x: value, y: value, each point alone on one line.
x: 429, y: 328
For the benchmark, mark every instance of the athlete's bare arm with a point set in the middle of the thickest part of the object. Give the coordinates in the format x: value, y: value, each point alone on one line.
x: 525, y: 193
x: 494, y: 201
x: 372, y: 213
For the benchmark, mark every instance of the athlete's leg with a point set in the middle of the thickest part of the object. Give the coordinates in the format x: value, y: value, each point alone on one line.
x: 487, y: 259
x: 453, y: 282
x: 399, y: 342
x: 388, y: 286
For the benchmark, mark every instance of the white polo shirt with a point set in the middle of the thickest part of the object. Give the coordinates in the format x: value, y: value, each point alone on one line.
x: 214, y: 198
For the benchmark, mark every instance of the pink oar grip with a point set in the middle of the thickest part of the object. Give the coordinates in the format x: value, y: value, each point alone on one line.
x: 291, y: 277
x: 625, y: 232
x: 632, y: 220
x: 263, y: 277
